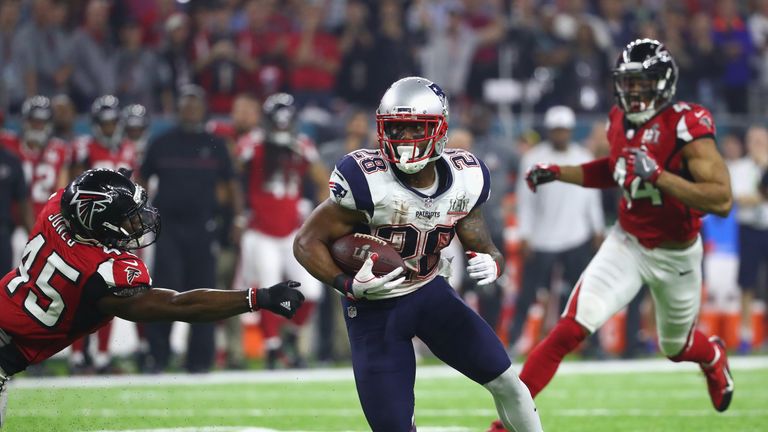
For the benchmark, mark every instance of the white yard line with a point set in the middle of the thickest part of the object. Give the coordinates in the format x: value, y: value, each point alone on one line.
x: 345, y: 374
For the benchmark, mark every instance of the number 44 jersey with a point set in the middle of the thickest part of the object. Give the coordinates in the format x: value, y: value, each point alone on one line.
x: 416, y: 223
x: 652, y: 216
x: 50, y: 299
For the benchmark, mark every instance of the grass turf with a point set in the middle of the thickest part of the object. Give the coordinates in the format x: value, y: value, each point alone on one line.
x: 592, y: 402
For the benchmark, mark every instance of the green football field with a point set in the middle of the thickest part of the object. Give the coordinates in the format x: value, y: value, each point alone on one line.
x: 605, y: 396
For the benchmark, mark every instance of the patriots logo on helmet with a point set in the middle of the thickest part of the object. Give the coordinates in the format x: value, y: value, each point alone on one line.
x: 338, y: 190
x: 132, y: 274
x: 438, y: 91
x: 88, y: 204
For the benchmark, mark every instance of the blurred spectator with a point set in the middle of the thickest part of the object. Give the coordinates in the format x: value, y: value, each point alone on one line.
x: 584, y: 81
x: 218, y: 68
x: 93, y: 57
x: 758, y: 29
x: 395, y: 47
x: 752, y: 216
x: 176, y: 69
x: 42, y: 50
x: 261, y: 46
x: 560, y: 227
x: 448, y: 53
x: 134, y: 122
x: 195, y: 178
x: 550, y: 54
x: 619, y: 23
x: 701, y: 62
x: 357, y: 48
x: 487, y: 19
x: 314, y: 59
x: 13, y: 196
x: 64, y: 114
x: 732, y: 37
x: 138, y: 80
x: 11, y: 85
x: 573, y: 14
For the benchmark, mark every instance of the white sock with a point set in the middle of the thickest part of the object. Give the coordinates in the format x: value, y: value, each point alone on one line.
x: 514, y: 403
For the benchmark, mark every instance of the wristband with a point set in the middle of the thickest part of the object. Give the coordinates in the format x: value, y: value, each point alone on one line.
x: 343, y: 284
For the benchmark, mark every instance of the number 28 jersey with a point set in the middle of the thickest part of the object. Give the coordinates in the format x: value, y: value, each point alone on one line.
x: 49, y: 301
x: 418, y: 226
x: 652, y: 216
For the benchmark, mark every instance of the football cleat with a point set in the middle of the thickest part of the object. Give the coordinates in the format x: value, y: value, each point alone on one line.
x: 719, y: 379
x: 497, y: 426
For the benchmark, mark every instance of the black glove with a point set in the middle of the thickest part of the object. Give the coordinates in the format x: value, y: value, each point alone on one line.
x: 283, y: 299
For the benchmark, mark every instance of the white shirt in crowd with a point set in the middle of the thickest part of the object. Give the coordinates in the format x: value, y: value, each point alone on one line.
x: 745, y: 181
x: 559, y: 216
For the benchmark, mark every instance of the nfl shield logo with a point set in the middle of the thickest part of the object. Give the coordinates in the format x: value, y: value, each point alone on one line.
x: 351, y: 311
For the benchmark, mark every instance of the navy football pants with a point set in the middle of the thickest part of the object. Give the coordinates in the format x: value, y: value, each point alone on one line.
x: 380, y: 334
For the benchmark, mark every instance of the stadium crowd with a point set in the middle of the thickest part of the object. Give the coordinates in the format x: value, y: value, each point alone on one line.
x: 152, y: 76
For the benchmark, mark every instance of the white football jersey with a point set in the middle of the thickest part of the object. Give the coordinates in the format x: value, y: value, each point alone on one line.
x: 418, y: 226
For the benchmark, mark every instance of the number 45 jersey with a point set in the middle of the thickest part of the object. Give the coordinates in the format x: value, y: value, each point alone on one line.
x: 50, y: 299
x: 417, y: 224
x: 652, y: 216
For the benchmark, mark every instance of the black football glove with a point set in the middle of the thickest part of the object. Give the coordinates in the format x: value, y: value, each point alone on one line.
x: 541, y: 173
x: 283, y: 299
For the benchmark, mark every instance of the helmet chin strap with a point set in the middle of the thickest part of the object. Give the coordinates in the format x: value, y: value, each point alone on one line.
x: 406, y: 153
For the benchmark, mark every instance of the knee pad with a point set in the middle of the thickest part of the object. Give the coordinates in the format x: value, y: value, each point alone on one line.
x: 506, y: 382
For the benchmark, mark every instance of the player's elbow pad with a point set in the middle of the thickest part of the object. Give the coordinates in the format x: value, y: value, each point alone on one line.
x: 597, y: 174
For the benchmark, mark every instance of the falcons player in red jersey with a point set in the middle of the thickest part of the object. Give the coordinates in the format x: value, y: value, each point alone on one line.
x: 276, y: 160
x: 78, y: 272
x: 45, y: 159
x: 107, y: 146
x: 664, y: 158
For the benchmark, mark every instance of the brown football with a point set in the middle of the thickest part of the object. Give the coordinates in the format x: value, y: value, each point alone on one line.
x: 349, y: 253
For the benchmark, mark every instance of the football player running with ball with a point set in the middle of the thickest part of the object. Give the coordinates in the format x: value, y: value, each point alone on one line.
x: 664, y: 157
x: 77, y: 272
x: 416, y: 195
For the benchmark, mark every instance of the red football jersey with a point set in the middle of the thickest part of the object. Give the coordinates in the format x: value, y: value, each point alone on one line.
x: 652, y: 216
x: 49, y: 301
x: 42, y: 168
x: 273, y: 199
x: 91, y: 154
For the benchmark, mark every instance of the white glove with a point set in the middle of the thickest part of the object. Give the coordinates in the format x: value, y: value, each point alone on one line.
x: 366, y: 283
x: 482, y: 268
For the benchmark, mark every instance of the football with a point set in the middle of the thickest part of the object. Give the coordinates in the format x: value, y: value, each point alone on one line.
x: 349, y: 253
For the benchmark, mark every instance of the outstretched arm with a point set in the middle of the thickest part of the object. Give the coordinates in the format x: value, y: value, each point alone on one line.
x: 594, y: 174
x: 201, y: 305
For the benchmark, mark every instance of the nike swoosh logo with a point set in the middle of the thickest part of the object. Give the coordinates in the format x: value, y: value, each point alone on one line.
x: 699, y: 114
x: 683, y: 273
x: 133, y: 263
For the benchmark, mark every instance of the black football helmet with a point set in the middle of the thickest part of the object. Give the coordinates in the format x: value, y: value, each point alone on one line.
x: 644, y: 79
x: 105, y: 207
x: 134, y: 122
x: 37, y: 116
x: 279, y: 119
x: 105, y: 116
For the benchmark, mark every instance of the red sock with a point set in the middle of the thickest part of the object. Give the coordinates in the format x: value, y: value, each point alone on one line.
x: 103, y: 336
x: 77, y: 345
x: 698, y: 349
x: 543, y: 361
x: 303, y: 314
x: 270, y: 324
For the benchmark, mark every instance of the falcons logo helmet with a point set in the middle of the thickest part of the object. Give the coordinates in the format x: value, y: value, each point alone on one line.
x: 105, y: 207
